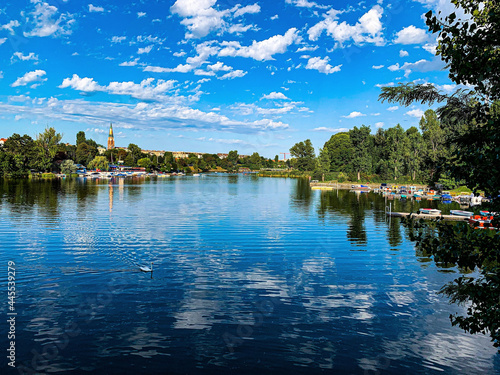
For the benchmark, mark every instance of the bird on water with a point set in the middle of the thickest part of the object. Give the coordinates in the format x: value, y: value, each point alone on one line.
x: 146, y: 268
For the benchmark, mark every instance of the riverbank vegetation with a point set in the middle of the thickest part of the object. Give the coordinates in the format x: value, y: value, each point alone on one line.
x: 22, y: 156
x: 472, y: 118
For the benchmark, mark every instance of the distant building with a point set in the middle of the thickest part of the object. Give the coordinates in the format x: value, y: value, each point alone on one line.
x: 2, y: 141
x: 101, y: 150
x: 111, y: 138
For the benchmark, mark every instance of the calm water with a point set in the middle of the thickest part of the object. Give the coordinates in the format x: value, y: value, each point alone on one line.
x: 250, y: 276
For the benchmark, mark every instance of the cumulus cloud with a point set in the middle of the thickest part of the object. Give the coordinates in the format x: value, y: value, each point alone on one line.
x: 377, y: 66
x: 219, y: 66
x: 201, y: 18
x: 10, y: 27
x: 403, y: 53
x: 29, y: 77
x: 379, y: 125
x: 392, y: 109
x: 118, y: 39
x: 418, y: 113
x: 141, y: 14
x: 20, y: 56
x: 251, y: 9
x: 146, y: 50
x: 147, y: 89
x: 321, y: 65
x: 130, y: 63
x: 263, y: 50
x: 45, y: 21
x: 96, y: 9
x: 368, y: 29
x: 234, y: 74
x: 354, y: 115
x: 275, y: 95
x: 305, y: 4
x: 411, y: 35
x: 2, y: 41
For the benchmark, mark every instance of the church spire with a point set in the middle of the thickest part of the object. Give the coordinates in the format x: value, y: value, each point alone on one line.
x: 111, y: 138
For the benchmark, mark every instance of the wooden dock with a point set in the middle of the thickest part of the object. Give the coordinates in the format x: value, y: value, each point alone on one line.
x: 427, y: 216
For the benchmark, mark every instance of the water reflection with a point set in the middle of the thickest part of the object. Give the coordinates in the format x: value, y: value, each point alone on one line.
x: 249, y: 274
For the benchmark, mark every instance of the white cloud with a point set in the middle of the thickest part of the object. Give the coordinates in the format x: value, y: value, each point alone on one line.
x: 46, y: 23
x: 29, y: 77
x: 368, y: 29
x: 97, y: 9
x: 146, y: 90
x: 130, y: 63
x: 275, y: 17
x: 275, y: 95
x: 403, y: 53
x: 377, y: 66
x: 10, y: 26
x: 321, y: 65
x: 392, y: 109
x: 81, y: 84
x: 411, y: 35
x: 199, y: 17
x: 146, y: 50
x: 22, y: 57
x: 1, y: 74
x: 354, y: 115
x: 2, y: 41
x: 219, y: 66
x: 330, y: 130
x: 263, y: 50
x: 394, y: 67
x: 118, y: 39
x: 418, y: 113
x: 307, y: 48
x: 379, y: 125
x: 240, y: 28
x: 389, y: 84
x: 141, y: 14
x: 251, y: 9
x: 233, y: 74
x: 305, y: 4
x: 179, y: 54
x: 430, y: 47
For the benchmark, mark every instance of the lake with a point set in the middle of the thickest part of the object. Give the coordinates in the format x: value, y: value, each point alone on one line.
x: 250, y: 275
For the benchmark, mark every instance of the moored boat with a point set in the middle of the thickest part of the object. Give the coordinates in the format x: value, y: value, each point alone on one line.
x: 429, y: 211
x: 461, y: 213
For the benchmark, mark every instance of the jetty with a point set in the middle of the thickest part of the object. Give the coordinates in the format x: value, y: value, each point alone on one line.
x: 427, y: 216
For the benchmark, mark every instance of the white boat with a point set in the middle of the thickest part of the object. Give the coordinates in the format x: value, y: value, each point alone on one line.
x: 461, y: 213
x: 196, y: 174
x: 429, y: 211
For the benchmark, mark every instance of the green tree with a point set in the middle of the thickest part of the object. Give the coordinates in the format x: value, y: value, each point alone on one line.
x: 339, y: 148
x: 361, y: 141
x: 68, y: 167
x: 19, y: 155
x: 136, y: 153
x: 46, y: 145
x: 434, y: 138
x: 85, y: 153
x: 416, y: 151
x: 303, y: 152
x: 255, y: 162
x: 145, y: 163
x: 397, y: 149
x: 99, y: 162
x: 80, y: 138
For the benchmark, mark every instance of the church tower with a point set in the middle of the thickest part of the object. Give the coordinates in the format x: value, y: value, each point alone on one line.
x: 111, y: 138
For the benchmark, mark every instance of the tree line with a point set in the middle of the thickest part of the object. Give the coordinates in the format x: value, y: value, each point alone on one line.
x: 423, y: 154
x: 21, y: 156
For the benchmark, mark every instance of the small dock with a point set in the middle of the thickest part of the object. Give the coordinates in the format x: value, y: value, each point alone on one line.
x: 427, y: 216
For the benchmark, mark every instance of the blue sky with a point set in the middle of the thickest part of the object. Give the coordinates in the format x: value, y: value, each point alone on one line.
x: 211, y: 76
